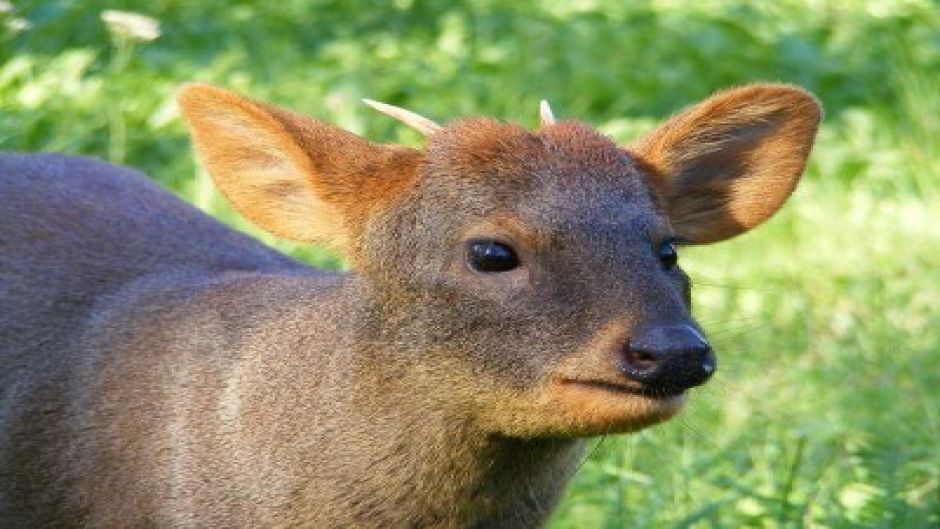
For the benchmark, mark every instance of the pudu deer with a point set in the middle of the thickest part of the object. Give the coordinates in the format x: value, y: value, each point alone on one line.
x: 511, y: 293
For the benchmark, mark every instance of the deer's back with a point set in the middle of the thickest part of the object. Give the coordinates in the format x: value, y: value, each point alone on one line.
x: 74, y: 225
x: 77, y: 237
x: 75, y: 230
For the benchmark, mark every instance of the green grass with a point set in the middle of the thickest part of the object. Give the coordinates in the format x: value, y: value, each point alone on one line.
x: 826, y: 409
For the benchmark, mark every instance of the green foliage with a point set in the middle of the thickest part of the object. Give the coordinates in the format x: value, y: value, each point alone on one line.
x: 825, y: 412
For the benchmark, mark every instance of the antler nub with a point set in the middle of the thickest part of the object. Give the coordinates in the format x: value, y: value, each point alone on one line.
x: 545, y: 112
x: 416, y: 121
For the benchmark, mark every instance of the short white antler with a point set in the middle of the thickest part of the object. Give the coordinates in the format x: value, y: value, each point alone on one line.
x: 545, y: 112
x: 416, y: 121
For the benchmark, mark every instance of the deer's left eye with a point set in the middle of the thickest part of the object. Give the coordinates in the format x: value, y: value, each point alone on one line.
x: 491, y: 256
x: 668, y: 255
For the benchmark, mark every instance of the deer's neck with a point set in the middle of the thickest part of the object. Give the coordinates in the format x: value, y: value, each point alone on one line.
x: 395, y: 469
x: 346, y: 420
x: 333, y: 430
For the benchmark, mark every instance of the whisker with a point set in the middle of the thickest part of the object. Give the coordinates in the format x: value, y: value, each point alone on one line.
x: 698, y: 283
x: 589, y: 455
x: 705, y: 322
x: 731, y: 332
x: 695, y: 431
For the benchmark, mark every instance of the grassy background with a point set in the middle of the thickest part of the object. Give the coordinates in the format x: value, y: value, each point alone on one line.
x: 826, y: 411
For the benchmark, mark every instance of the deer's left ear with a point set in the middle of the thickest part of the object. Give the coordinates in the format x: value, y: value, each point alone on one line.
x: 729, y: 163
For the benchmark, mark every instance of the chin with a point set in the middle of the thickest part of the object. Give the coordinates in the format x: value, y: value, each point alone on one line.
x: 580, y: 410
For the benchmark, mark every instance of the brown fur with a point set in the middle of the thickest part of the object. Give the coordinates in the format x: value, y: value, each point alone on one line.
x: 162, y: 370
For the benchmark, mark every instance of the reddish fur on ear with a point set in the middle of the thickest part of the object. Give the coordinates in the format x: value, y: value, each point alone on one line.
x: 296, y: 177
x: 730, y: 162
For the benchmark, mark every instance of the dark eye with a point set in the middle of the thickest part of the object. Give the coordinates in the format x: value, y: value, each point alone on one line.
x: 668, y: 255
x: 491, y: 256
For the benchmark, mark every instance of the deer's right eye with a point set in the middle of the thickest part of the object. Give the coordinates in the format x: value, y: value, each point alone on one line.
x: 491, y: 256
x: 668, y: 255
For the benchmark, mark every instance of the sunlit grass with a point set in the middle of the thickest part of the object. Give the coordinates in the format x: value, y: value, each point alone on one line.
x: 825, y: 411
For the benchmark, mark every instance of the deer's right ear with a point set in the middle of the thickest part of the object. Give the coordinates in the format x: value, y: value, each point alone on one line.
x: 293, y: 176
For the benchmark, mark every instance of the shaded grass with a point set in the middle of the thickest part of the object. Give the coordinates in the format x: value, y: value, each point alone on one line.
x: 825, y: 412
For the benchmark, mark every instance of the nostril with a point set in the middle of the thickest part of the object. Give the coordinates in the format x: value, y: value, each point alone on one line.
x: 640, y: 360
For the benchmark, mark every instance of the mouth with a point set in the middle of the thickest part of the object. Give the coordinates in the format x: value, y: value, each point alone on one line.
x: 594, y: 406
x: 612, y: 387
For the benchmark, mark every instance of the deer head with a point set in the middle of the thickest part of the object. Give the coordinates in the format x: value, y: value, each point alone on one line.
x: 527, y: 280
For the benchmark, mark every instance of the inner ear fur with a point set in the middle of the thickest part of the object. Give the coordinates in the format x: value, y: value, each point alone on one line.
x: 293, y: 176
x: 729, y: 163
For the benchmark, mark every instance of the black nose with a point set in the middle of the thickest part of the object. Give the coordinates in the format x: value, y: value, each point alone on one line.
x: 668, y: 358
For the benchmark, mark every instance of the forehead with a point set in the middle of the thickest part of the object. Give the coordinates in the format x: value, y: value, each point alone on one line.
x: 565, y: 173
